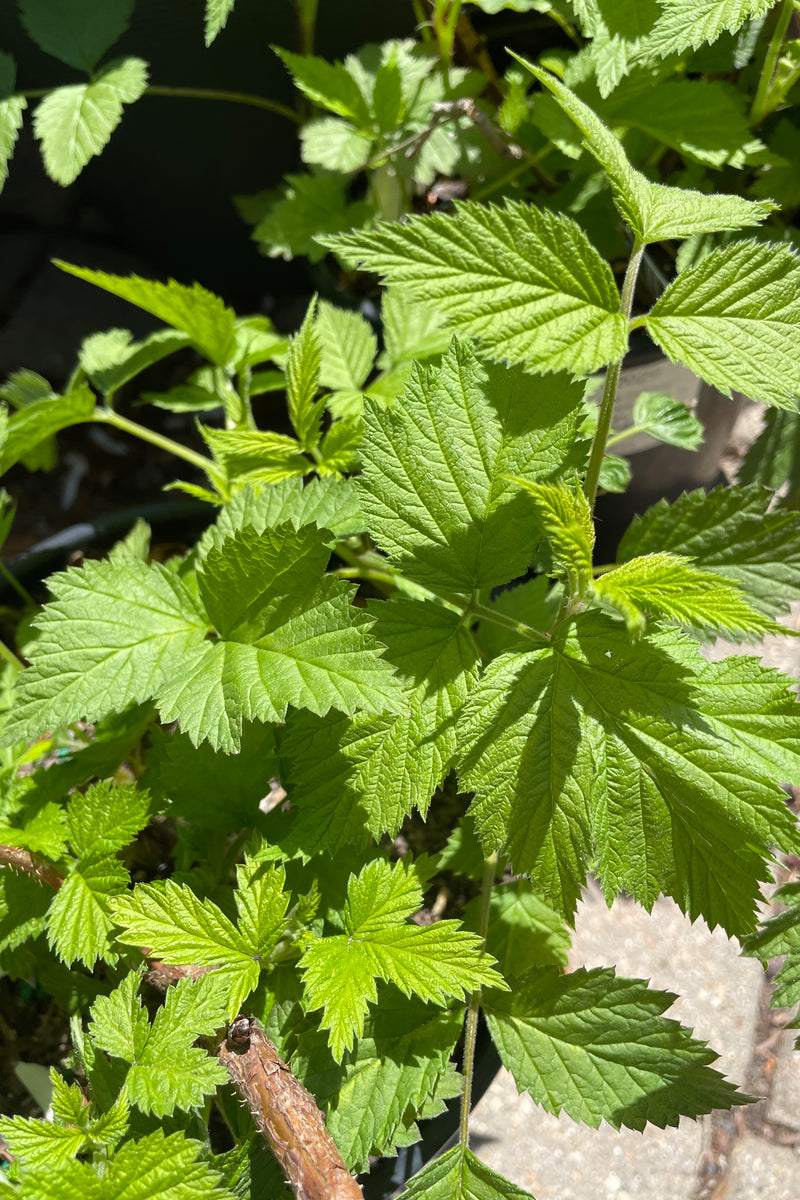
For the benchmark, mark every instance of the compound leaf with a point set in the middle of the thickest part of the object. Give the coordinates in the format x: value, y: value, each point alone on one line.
x: 74, y: 123
x: 525, y: 281
x: 734, y: 320
x: 433, y: 962
x: 198, y: 313
x: 351, y: 777
x: 77, y: 32
x: 435, y: 489
x: 598, y: 1048
x: 729, y: 531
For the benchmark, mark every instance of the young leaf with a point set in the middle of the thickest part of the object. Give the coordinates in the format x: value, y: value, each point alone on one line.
x: 653, y: 211
x: 198, y: 313
x: 111, y: 359
x: 327, y: 503
x: 261, y: 903
x: 42, y: 1143
x: 166, y: 1070
x: 175, y: 925
x: 434, y: 962
x: 599, y: 747
x: 334, y: 145
x: 525, y: 281
x: 668, y: 420
x: 347, y: 346
x: 302, y: 382
x: 349, y: 778
x: 671, y: 586
x: 459, y: 1175
x: 255, y: 456
x: 76, y: 31
x: 598, y: 1048
x: 75, y: 123
x: 734, y: 320
x: 329, y: 85
x: 730, y: 532
x: 217, y: 13
x: 11, y: 109
x: 39, y: 420
x: 411, y: 328
x: 165, y: 1167
x: 310, y: 205
x: 435, y: 489
x: 566, y: 520
x: 400, y: 1064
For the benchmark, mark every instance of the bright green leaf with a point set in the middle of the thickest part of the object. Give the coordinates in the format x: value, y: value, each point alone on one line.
x: 334, y: 145
x: 310, y: 205
x: 303, y: 381
x: 41, y: 1143
x: 780, y: 936
x: 459, y: 1175
x: 217, y: 13
x: 11, y: 110
x: 347, y: 346
x: 330, y: 85
x: 74, y: 123
x: 667, y: 419
x: 565, y: 518
x: 111, y: 359
x: 39, y: 420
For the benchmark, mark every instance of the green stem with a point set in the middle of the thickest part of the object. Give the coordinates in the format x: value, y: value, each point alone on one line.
x: 532, y: 163
x: 10, y: 657
x: 190, y: 93
x: 760, y: 101
x: 474, y: 1006
x: 22, y: 592
x: 423, y: 21
x: 381, y: 579
x: 615, y: 438
x: 107, y: 416
x: 498, y: 618
x: 612, y: 381
x: 307, y: 21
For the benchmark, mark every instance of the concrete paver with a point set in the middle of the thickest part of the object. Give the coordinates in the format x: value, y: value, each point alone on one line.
x: 762, y: 1171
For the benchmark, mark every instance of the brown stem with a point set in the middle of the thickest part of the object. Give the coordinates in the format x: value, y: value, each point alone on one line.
x: 31, y: 864
x: 286, y: 1115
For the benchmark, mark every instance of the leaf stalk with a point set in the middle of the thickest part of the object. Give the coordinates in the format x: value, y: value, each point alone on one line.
x: 473, y: 1008
x: 761, y: 106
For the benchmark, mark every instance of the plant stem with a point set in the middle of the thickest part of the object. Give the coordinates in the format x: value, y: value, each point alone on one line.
x: 22, y: 592
x: 498, y: 618
x: 191, y: 93
x: 8, y: 654
x: 760, y: 100
x: 474, y: 1006
x: 423, y: 21
x: 612, y: 381
x: 527, y: 163
x: 307, y: 20
x: 107, y: 416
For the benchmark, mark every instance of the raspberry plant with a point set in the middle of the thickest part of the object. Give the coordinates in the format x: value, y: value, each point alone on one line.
x: 397, y: 611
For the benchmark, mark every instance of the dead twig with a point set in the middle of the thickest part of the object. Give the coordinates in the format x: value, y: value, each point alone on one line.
x: 286, y: 1115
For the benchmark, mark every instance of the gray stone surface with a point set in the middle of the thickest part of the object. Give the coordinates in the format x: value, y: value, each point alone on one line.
x: 762, y: 1171
x: 718, y: 991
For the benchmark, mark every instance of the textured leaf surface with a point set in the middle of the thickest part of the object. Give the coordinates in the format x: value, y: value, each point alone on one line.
x: 310, y: 205
x: 523, y: 931
x: 330, y: 85
x: 598, y: 1048
x: 668, y: 420
x: 302, y: 381
x: 459, y: 1175
x: 686, y: 24
x: 351, y: 777
x: 400, y: 1062
x: 668, y: 585
x: 433, y: 962
x: 729, y: 531
x: 155, y: 1166
x: 525, y: 281
x: 75, y: 123
x: 602, y: 747
x: 41, y: 1143
x: 780, y: 935
x: 566, y: 521
x: 11, y: 110
x: 348, y: 348
x: 193, y: 310
x: 734, y: 319
x: 166, y: 1071
x: 77, y: 32
x: 39, y: 420
x: 328, y: 503
x: 435, y: 489
x: 217, y: 13
x: 653, y: 211
x: 112, y: 358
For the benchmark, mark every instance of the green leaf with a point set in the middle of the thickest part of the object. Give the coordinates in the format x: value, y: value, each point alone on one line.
x: 779, y: 936
x: 526, y: 603
x: 179, y: 928
x: 105, y: 818
x: 166, y: 1070
x: 687, y: 24
x: 77, y: 32
x: 330, y: 85
x: 23, y: 387
x: 435, y: 488
x: 41, y: 1143
x: 668, y: 420
x: 653, y: 211
x: 347, y: 346
x: 155, y: 1166
x: 11, y: 110
x: 434, y: 962
x: 411, y: 328
x: 734, y: 320
x: 78, y: 922
x: 459, y: 1175
x: 198, y: 313
x: 615, y: 473
x: 310, y: 205
x: 74, y: 123
x: 566, y: 520
x: 39, y: 420
x: 523, y: 931
x: 598, y: 1048
x: 261, y: 903
x: 328, y: 503
x: 349, y: 778
x: 729, y: 531
x: 334, y: 145
x: 400, y: 1063
x: 339, y: 449
x: 303, y: 381
x: 780, y: 180
x: 672, y: 586
x: 217, y: 13
x: 774, y: 457
x: 112, y: 358
x: 255, y: 456
x: 525, y: 281
x: 632, y: 755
